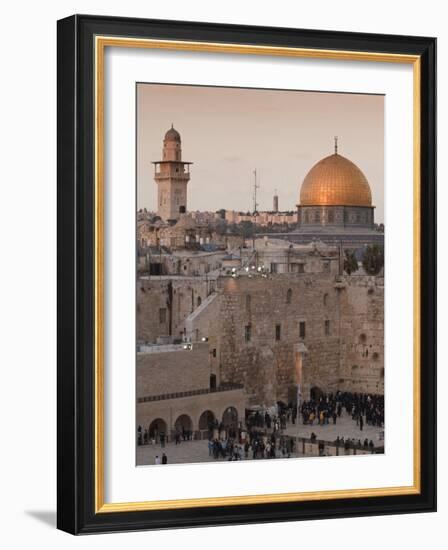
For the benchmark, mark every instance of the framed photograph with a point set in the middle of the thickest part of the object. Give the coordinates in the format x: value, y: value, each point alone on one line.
x: 246, y: 274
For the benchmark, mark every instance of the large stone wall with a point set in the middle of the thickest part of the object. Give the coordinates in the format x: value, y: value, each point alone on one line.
x: 264, y: 364
x: 179, y: 296
x: 175, y: 371
x: 362, y: 334
x: 346, y: 354
x: 204, y: 320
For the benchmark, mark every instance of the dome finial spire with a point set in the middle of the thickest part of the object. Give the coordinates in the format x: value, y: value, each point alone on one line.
x: 335, y: 145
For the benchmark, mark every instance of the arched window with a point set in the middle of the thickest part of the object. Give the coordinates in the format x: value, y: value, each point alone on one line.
x: 199, y: 301
x: 288, y: 296
x: 325, y: 299
x: 248, y: 302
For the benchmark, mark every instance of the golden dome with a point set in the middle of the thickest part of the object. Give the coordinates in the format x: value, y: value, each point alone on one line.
x: 335, y: 181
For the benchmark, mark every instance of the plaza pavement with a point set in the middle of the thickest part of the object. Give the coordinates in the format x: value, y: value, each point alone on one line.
x: 197, y: 451
x: 345, y: 427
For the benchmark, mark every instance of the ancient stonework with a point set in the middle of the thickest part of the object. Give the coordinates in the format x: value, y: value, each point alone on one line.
x: 362, y: 335
x: 259, y: 320
x: 163, y: 304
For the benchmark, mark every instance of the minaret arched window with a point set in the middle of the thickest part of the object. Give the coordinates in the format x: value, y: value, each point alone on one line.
x: 288, y: 296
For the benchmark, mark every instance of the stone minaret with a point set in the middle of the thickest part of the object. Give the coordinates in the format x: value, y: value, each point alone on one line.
x: 275, y: 201
x: 171, y: 175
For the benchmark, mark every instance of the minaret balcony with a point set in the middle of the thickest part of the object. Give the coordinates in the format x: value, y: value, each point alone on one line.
x: 172, y: 175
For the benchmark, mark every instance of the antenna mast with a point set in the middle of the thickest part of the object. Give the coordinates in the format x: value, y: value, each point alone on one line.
x: 256, y: 186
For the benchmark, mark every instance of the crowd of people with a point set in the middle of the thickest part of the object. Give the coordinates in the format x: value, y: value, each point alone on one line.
x: 348, y: 443
x: 258, y: 446
x: 154, y: 436
x: 329, y: 407
x: 262, y: 435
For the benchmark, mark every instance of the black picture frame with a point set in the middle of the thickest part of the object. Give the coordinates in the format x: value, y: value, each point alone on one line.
x: 76, y: 255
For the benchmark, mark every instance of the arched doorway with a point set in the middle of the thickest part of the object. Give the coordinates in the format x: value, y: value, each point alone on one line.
x: 230, y: 418
x: 184, y: 426
x: 206, y: 420
x: 206, y: 424
x: 316, y: 393
x: 281, y: 406
x: 157, y: 427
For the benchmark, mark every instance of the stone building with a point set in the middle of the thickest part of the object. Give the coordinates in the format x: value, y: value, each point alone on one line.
x: 262, y: 218
x: 172, y: 175
x: 282, y: 256
x: 164, y: 302
x: 183, y: 233
x: 177, y: 391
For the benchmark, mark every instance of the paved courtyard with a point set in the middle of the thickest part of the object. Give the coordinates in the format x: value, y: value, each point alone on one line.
x: 197, y: 451
x: 345, y: 427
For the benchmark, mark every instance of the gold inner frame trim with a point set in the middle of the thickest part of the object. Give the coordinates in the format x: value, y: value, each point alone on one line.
x: 101, y: 42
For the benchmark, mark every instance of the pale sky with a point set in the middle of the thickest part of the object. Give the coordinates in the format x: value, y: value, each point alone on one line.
x: 229, y: 132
